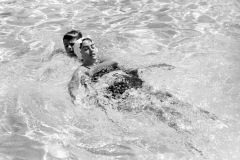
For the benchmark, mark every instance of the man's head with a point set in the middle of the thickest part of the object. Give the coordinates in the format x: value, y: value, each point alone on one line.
x: 69, y: 39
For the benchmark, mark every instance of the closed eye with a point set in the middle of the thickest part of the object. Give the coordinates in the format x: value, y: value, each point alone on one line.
x: 85, y: 48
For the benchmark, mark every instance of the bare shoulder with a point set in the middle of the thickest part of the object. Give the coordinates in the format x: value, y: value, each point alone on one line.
x: 75, y: 81
x: 77, y: 76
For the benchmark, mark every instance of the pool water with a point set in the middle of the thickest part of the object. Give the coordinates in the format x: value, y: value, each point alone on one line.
x: 186, y: 52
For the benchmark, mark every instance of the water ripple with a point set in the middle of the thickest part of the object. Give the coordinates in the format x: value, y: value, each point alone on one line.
x: 198, y: 39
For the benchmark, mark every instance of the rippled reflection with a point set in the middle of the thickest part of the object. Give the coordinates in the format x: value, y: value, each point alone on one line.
x: 198, y: 39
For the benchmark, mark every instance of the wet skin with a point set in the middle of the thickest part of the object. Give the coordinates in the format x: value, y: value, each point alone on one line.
x: 89, y: 53
x: 68, y: 45
x: 92, y: 64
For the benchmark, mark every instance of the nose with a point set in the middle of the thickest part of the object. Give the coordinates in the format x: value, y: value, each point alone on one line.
x: 92, y: 50
x: 70, y: 47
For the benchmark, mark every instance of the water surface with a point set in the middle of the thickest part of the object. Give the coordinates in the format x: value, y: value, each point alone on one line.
x: 198, y: 39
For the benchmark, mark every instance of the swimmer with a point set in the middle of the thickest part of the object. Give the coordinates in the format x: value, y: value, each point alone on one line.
x: 92, y: 64
x: 134, y: 97
x: 69, y: 40
x: 95, y: 65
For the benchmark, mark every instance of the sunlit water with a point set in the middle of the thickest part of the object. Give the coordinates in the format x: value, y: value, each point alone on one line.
x: 191, y: 112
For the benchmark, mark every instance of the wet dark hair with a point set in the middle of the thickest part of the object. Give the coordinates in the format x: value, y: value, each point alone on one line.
x: 84, y: 39
x: 72, y: 34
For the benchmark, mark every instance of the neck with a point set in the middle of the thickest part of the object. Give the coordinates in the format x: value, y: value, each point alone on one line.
x: 90, y: 62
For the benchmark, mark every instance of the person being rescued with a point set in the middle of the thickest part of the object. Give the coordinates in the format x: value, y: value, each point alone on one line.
x: 94, y: 66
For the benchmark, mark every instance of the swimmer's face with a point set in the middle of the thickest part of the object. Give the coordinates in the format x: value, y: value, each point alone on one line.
x: 88, y: 50
x: 68, y: 45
